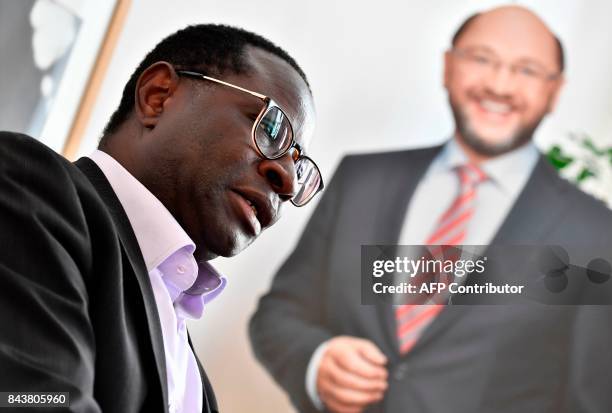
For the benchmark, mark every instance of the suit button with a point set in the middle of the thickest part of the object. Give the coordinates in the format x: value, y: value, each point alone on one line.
x: 400, y: 371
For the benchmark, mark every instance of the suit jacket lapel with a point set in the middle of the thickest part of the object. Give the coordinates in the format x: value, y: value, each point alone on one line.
x: 537, y: 208
x: 209, y: 404
x: 134, y: 255
x: 403, y: 175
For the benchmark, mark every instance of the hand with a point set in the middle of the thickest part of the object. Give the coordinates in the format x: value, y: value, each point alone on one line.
x: 351, y: 375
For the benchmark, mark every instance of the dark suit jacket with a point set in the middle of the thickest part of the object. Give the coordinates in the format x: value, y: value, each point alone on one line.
x: 77, y: 309
x: 471, y: 358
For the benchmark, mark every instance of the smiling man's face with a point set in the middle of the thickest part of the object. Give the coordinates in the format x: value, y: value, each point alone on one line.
x: 502, y: 77
x: 205, y: 168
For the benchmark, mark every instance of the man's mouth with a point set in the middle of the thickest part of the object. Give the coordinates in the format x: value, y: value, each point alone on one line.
x: 498, y: 108
x: 253, y: 207
x: 247, y: 213
x: 256, y: 210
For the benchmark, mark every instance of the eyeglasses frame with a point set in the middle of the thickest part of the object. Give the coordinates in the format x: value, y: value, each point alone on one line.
x: 463, y: 53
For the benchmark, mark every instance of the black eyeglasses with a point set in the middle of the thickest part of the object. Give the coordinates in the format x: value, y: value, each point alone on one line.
x: 272, y: 135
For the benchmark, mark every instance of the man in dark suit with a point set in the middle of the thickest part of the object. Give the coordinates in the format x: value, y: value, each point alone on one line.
x: 102, y: 261
x: 488, y: 185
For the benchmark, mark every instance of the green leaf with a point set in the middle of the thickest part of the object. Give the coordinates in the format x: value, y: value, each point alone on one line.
x: 584, y: 174
x: 588, y: 143
x: 557, y: 158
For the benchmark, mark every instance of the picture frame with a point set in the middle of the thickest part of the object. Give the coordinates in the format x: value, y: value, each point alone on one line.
x: 55, y: 56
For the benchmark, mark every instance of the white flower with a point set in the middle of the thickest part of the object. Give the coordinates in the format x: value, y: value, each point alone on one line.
x: 600, y: 184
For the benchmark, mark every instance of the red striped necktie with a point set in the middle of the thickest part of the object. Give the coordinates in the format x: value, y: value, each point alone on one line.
x: 451, y: 229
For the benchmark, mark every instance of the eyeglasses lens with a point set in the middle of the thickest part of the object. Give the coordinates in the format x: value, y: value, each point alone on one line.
x: 308, y: 181
x: 273, y: 134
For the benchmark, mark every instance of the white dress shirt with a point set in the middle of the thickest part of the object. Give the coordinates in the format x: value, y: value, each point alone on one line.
x: 507, y: 175
x: 181, y: 287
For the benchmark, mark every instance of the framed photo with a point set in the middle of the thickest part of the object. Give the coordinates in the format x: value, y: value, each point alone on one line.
x: 54, y: 56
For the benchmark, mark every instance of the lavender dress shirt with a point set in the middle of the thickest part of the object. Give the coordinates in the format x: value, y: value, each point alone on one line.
x: 181, y: 286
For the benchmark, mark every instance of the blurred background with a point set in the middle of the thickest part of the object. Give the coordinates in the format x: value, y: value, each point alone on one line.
x: 376, y: 72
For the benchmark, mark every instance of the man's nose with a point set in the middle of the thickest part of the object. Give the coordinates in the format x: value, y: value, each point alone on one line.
x: 280, y: 174
x: 502, y: 81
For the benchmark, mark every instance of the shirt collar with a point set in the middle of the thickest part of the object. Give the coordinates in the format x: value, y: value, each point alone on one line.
x: 509, y: 171
x: 189, y: 300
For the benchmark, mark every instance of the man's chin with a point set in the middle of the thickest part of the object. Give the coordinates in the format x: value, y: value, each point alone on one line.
x: 488, y: 147
x: 235, y: 244
x: 490, y: 140
x: 492, y: 143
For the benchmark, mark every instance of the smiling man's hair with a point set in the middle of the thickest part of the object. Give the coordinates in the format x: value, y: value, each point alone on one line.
x: 468, y: 22
x: 212, y: 49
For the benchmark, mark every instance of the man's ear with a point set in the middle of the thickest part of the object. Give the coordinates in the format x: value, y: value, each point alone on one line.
x: 153, y: 88
x: 556, y: 91
x: 447, y: 68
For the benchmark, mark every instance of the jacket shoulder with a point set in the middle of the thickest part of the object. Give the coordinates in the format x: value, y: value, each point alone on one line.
x: 385, y: 162
x: 27, y: 154
x: 589, y: 208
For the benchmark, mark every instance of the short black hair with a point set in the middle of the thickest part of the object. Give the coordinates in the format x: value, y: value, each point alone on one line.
x: 467, y: 22
x: 213, y: 49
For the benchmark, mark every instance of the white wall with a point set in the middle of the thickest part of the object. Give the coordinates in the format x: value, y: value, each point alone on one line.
x: 375, y: 69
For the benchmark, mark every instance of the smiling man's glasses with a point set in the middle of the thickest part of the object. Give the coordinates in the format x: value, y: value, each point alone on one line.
x: 272, y: 134
x: 486, y: 62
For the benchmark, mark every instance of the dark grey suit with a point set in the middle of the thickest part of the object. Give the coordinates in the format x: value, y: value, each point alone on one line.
x: 472, y: 358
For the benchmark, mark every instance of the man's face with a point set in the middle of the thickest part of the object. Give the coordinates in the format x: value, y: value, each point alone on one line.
x: 502, y: 78
x: 204, y: 166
